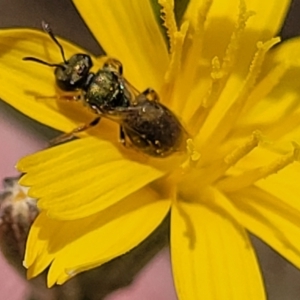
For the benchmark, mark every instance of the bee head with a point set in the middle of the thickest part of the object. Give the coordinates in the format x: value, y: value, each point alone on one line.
x: 71, y: 74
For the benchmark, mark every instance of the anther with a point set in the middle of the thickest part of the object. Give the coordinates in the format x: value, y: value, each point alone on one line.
x: 193, y: 156
x: 193, y: 153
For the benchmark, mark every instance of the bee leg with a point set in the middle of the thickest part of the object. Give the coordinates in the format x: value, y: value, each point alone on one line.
x: 69, y: 135
x: 64, y: 97
x: 122, y: 137
x: 151, y: 94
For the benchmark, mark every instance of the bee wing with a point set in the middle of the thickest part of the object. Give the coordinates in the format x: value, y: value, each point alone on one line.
x: 133, y: 91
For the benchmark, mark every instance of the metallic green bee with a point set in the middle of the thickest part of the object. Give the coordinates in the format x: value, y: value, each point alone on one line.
x: 144, y: 122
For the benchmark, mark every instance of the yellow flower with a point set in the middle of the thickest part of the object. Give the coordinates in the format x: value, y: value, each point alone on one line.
x: 238, y: 99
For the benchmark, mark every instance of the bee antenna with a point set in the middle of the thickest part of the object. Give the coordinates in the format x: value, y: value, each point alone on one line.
x: 48, y: 29
x: 42, y: 62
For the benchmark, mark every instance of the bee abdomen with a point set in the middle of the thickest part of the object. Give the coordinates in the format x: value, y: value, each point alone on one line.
x: 154, y: 129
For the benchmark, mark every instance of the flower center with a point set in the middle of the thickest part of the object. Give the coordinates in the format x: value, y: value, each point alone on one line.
x: 213, y: 97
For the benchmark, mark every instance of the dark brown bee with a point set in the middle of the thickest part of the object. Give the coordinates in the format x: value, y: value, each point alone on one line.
x: 147, y: 124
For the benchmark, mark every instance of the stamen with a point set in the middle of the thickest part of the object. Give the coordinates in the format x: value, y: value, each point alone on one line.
x: 193, y: 156
x: 200, y: 114
x: 221, y: 71
x: 216, y: 69
x: 174, y: 65
x: 216, y: 74
x: 219, y: 132
x: 196, y: 31
x: 193, y: 45
x: 248, y: 178
x: 168, y: 16
x: 230, y: 55
x: 198, y: 15
x: 232, y: 48
x: 257, y: 62
x: 175, y: 62
x: 243, y: 150
x: 201, y: 18
x: 218, y: 168
x: 265, y: 86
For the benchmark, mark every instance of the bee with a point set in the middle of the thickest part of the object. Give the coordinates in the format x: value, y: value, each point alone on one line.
x: 145, y: 123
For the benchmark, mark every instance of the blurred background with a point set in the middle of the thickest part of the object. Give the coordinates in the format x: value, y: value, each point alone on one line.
x: 20, y: 135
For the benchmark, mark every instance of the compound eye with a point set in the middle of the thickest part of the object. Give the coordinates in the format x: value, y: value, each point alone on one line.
x: 63, y: 79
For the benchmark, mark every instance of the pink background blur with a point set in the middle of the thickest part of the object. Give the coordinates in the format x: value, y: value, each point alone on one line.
x: 15, y: 141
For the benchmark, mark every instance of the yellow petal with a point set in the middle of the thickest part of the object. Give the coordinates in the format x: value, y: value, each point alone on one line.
x: 79, y: 245
x: 284, y: 185
x: 30, y: 87
x: 212, y: 256
x: 39, y: 265
x: 272, y: 220
x: 85, y: 176
x: 128, y: 31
